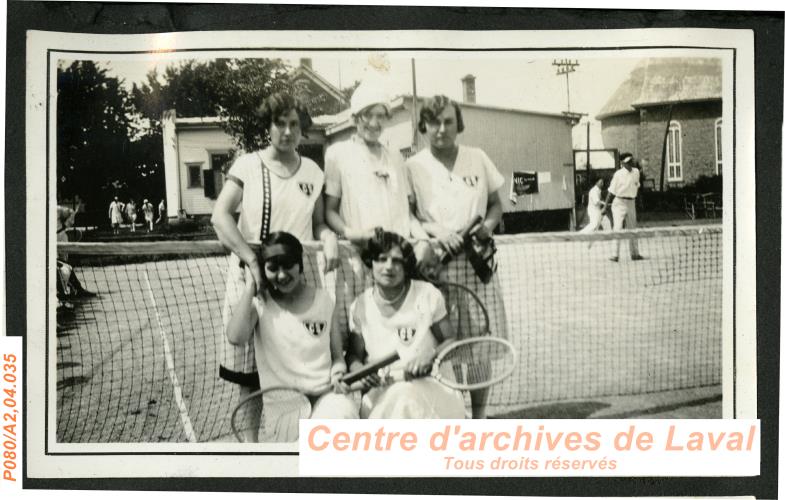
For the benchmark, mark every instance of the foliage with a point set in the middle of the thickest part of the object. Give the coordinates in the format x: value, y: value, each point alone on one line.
x: 100, y: 150
x: 229, y: 88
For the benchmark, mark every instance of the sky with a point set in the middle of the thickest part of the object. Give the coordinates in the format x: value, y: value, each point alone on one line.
x: 525, y: 81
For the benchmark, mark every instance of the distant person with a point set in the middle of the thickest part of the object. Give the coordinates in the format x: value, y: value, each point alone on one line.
x: 68, y: 285
x: 163, y: 218
x: 147, y: 210
x: 130, y: 212
x: 621, y: 199
x: 65, y: 220
x: 116, y: 214
x: 594, y: 209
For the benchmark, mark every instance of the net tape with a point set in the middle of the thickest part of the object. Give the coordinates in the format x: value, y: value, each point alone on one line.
x: 139, y: 362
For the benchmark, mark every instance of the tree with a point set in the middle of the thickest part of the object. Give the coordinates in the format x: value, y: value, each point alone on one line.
x: 229, y: 88
x: 102, y: 148
x: 94, y: 126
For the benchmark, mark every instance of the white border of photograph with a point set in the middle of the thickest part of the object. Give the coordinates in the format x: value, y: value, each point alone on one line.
x: 739, y: 381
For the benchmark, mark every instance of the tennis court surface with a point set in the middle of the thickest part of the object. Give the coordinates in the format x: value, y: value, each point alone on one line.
x: 596, y: 339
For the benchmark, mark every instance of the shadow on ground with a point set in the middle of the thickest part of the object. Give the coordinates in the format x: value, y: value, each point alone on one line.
x: 585, y: 409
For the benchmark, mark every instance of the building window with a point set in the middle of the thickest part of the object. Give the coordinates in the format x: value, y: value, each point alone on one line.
x: 214, y: 178
x: 195, y: 175
x: 674, y: 152
x: 718, y: 146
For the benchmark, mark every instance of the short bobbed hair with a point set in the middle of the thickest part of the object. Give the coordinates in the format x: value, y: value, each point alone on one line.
x: 382, y: 242
x: 283, y: 248
x: 433, y: 107
x: 280, y: 104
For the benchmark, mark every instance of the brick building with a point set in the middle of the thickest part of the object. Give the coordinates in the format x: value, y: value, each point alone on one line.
x: 682, y: 96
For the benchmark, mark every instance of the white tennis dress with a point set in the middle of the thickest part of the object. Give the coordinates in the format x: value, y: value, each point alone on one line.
x: 290, y: 208
x: 293, y: 350
x: 407, y: 331
x: 452, y: 199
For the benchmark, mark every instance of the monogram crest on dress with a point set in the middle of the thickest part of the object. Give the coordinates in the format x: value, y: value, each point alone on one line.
x: 306, y: 188
x: 471, y: 180
x: 406, y: 334
x: 315, y: 327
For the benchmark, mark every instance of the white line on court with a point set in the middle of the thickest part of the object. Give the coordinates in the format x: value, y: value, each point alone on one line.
x: 178, y: 394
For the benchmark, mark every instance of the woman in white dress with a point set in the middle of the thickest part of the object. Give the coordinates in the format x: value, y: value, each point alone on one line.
x: 116, y: 214
x: 292, y: 326
x: 594, y: 209
x: 399, y: 313
x: 453, y: 183
x: 366, y: 186
x: 275, y: 189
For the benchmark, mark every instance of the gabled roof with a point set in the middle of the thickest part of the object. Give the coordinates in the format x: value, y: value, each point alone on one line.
x: 666, y: 80
x: 343, y: 120
x: 321, y: 82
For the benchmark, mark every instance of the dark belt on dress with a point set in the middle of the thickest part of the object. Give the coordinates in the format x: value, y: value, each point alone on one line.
x: 625, y: 198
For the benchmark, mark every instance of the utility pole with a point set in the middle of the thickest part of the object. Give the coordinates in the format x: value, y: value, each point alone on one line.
x: 565, y: 67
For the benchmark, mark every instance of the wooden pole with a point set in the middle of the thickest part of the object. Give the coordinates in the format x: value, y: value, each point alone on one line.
x: 665, y: 148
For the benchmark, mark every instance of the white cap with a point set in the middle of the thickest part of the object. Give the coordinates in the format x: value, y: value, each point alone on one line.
x: 369, y: 93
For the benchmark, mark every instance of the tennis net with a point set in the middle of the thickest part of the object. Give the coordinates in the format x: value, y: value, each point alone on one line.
x: 139, y: 362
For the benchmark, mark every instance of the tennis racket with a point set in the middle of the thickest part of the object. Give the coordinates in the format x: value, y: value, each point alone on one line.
x: 278, y: 410
x: 470, y: 364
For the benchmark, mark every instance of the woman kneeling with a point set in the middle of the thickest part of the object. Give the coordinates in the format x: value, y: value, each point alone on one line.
x: 399, y: 313
x: 292, y: 326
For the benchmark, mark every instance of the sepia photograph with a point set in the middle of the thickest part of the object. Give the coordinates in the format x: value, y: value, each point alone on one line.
x: 161, y: 162
x: 241, y: 230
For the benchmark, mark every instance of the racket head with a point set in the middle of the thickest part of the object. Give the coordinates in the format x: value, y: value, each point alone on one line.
x: 270, y: 416
x: 466, y: 312
x: 475, y: 363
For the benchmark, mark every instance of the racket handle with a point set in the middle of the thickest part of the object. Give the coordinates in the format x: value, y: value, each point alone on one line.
x: 447, y: 257
x: 350, y: 378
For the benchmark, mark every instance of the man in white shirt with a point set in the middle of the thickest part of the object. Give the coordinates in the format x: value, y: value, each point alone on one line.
x: 621, y: 198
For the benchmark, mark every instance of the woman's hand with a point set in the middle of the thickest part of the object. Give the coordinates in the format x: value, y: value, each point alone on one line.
x: 331, y: 253
x: 450, y: 240
x: 251, y: 285
x: 339, y: 386
x: 252, y: 267
x: 420, y: 365
x: 370, y: 381
x: 427, y: 261
x: 358, y: 236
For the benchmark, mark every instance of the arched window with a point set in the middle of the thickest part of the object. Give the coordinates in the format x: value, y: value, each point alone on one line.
x: 718, y: 146
x: 673, y: 152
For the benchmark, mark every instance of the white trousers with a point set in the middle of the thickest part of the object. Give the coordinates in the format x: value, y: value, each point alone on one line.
x: 624, y: 211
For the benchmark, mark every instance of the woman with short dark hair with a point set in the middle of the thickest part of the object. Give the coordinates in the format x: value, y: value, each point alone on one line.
x: 453, y: 184
x: 276, y: 189
x: 292, y: 326
x: 400, y: 314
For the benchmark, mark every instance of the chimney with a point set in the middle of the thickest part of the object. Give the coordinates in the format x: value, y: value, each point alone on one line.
x: 306, y: 62
x: 469, y: 93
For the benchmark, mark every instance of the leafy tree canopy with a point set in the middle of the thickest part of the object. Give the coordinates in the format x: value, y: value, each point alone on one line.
x: 229, y: 88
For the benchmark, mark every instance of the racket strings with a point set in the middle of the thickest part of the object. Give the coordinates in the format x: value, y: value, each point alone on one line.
x: 465, y: 311
x: 476, y: 363
x: 278, y: 413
